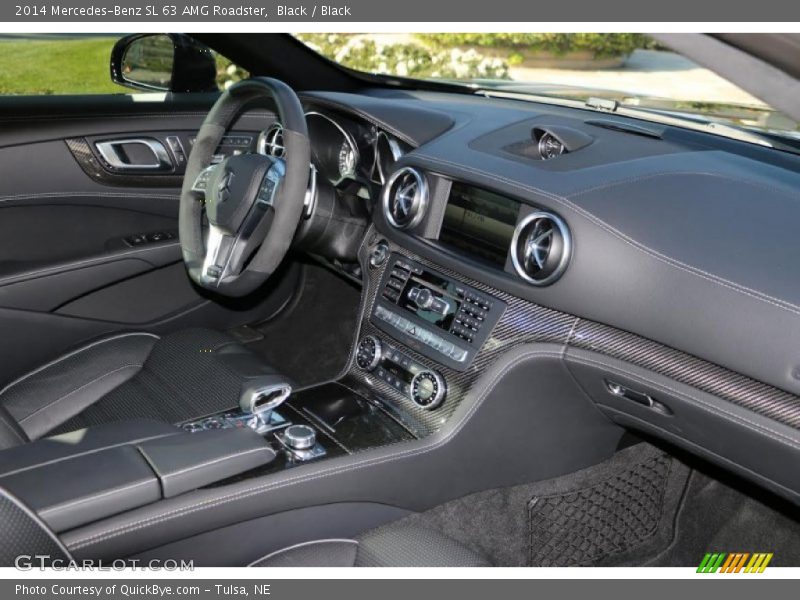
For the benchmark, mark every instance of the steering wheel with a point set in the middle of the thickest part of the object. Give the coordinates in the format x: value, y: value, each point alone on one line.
x: 253, y: 203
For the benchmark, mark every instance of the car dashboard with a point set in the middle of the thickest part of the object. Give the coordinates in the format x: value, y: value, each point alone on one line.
x: 654, y: 258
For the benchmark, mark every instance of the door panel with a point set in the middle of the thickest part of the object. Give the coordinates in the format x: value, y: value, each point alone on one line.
x: 87, y: 249
x: 138, y: 300
x: 37, y: 235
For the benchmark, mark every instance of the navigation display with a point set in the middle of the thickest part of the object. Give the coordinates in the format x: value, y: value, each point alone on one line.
x: 479, y: 222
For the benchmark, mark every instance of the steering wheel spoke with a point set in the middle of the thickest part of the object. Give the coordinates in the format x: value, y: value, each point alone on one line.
x: 201, y: 182
x: 219, y: 247
x: 226, y: 252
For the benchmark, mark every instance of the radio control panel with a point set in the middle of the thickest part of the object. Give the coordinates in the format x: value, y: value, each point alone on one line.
x: 438, y: 317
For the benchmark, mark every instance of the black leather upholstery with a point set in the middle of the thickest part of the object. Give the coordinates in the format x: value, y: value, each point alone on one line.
x: 319, y: 553
x: 24, y: 534
x: 402, y: 545
x: 395, y: 545
x: 11, y: 434
x: 135, y: 375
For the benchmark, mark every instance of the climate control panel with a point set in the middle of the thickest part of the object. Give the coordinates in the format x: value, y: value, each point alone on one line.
x: 425, y: 387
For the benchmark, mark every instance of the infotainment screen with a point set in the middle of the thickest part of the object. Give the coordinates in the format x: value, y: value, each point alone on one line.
x: 479, y: 222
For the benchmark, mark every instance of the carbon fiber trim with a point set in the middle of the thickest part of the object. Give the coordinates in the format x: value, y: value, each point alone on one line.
x: 92, y: 167
x: 525, y: 322
x: 685, y: 368
x: 522, y: 322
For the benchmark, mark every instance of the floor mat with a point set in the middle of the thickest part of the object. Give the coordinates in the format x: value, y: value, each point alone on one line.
x: 580, y: 518
x: 310, y: 341
x: 595, y: 523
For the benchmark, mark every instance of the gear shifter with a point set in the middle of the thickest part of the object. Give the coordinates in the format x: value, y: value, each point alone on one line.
x: 261, y: 402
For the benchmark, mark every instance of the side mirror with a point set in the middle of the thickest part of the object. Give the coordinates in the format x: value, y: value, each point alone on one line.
x: 163, y: 62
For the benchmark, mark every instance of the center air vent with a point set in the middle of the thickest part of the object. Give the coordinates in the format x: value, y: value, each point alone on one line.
x: 541, y: 248
x: 270, y: 142
x: 405, y: 198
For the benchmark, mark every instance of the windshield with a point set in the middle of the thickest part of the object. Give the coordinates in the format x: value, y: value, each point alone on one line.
x: 631, y: 69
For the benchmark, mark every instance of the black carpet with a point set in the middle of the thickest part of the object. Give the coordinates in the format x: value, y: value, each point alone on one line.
x: 310, y: 340
x: 720, y: 514
x: 605, y: 515
x: 642, y: 507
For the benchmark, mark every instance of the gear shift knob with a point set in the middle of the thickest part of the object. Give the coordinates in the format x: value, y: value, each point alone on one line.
x: 261, y: 401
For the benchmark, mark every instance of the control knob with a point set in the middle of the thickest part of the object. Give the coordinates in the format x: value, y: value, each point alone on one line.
x: 379, y: 254
x: 369, y: 353
x: 300, y: 437
x: 425, y: 300
x: 428, y: 389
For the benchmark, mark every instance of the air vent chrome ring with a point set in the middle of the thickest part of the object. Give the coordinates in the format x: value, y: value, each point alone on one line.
x: 541, y: 248
x: 405, y: 198
x: 270, y: 141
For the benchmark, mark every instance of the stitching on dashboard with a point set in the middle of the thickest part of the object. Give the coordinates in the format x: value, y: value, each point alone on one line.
x: 246, y: 493
x: 755, y: 294
x: 654, y: 175
x: 707, y: 406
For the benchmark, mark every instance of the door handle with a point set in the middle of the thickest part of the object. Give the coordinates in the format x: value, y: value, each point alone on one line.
x: 642, y: 398
x: 135, y: 154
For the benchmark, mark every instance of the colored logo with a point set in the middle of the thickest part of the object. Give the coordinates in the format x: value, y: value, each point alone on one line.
x: 734, y: 562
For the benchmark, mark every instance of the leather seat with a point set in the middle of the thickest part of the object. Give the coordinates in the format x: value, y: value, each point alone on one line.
x: 24, y: 533
x: 395, y: 545
x: 173, y: 378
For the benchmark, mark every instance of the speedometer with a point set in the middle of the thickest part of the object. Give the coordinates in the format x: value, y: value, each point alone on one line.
x: 347, y: 160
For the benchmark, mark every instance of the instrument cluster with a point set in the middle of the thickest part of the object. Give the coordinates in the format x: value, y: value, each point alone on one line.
x: 342, y: 149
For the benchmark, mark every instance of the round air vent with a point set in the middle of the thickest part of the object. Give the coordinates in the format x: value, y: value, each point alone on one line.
x: 541, y: 248
x: 405, y: 198
x: 270, y: 142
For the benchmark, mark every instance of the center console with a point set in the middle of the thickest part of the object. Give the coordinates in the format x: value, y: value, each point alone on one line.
x: 322, y: 421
